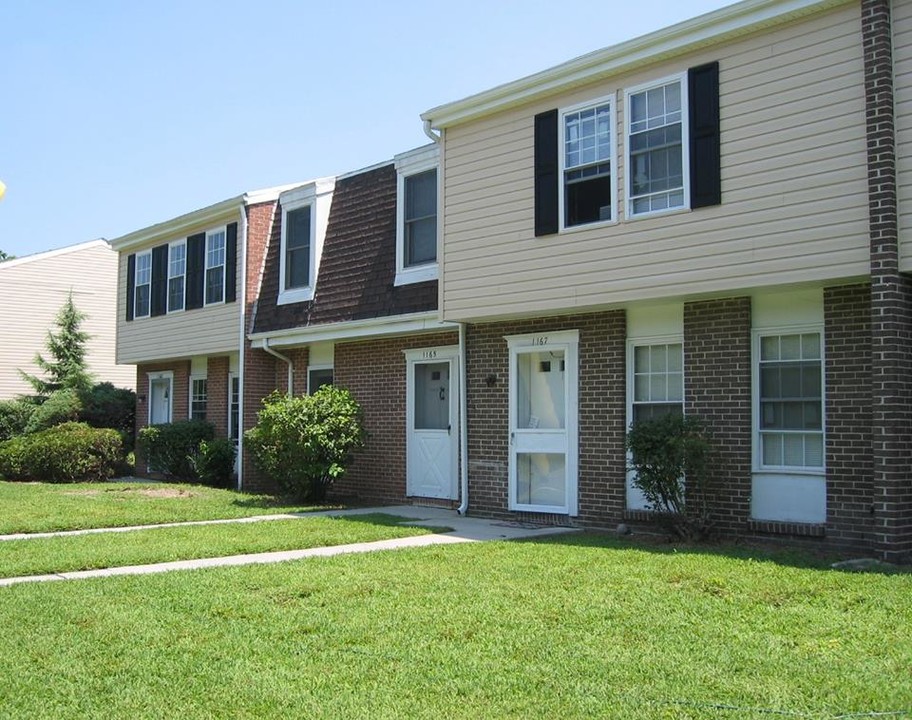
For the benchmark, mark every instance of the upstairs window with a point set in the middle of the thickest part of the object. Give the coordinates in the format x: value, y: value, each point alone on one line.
x: 416, y: 212
x: 420, y: 241
x: 656, y: 153
x: 790, y: 399
x: 215, y: 266
x: 587, y: 165
x: 143, y: 286
x: 177, y: 274
x: 297, y: 248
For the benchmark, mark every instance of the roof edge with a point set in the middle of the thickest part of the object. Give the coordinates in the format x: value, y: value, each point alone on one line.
x: 45, y: 254
x: 709, y: 28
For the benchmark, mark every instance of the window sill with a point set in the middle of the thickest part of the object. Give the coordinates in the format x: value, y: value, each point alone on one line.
x: 410, y: 276
x: 788, y: 471
x: 565, y: 230
x: 287, y: 297
x: 656, y: 213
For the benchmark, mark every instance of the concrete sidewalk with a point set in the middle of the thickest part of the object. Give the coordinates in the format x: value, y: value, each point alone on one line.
x: 464, y: 529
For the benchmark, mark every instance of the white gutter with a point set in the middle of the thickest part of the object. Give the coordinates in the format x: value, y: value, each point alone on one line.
x: 265, y: 346
x: 372, y: 327
x: 242, y: 343
x: 426, y: 126
x: 463, y: 425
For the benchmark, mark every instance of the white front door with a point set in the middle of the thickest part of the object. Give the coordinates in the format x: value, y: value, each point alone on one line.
x: 160, y: 398
x: 543, y: 422
x: 432, y: 426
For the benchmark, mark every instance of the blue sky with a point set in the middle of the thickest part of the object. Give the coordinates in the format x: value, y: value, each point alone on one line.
x: 119, y: 115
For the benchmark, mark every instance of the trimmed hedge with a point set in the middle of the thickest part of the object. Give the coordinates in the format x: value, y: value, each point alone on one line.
x: 72, y: 452
x: 14, y: 417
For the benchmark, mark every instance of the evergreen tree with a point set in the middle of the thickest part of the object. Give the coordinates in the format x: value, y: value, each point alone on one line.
x: 66, y: 370
x: 5, y: 256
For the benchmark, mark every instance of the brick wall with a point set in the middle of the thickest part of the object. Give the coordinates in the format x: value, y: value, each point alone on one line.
x: 849, y: 461
x: 717, y: 386
x: 891, y: 297
x: 217, y: 394
x: 375, y: 372
x: 602, y: 414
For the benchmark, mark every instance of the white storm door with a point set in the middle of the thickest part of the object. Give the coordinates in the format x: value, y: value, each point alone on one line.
x: 160, y: 391
x: 432, y: 427
x: 543, y: 422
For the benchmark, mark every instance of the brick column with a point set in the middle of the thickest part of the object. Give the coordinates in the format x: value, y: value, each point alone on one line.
x: 217, y: 394
x: 891, y: 314
x: 717, y: 387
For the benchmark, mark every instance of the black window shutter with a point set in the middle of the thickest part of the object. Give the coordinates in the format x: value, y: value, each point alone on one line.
x: 131, y: 285
x: 546, y: 221
x: 159, y: 299
x: 231, y: 263
x: 705, y: 163
x: 196, y: 269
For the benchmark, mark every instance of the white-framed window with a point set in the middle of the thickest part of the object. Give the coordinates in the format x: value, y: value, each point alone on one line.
x: 416, y: 215
x: 587, y: 164
x: 177, y: 275
x: 318, y: 376
x: 657, y: 151
x: 789, y: 400
x: 215, y: 266
x: 199, y: 397
x: 655, y: 378
x: 305, y: 216
x: 234, y: 406
x: 142, y: 294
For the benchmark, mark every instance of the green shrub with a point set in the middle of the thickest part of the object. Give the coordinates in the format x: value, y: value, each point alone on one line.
x: 214, y: 462
x: 664, y: 451
x: 171, y: 449
x: 106, y: 406
x: 60, y: 407
x: 304, y: 443
x: 71, y: 452
x: 14, y: 417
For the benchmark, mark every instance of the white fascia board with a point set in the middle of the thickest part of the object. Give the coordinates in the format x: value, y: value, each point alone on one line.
x: 355, y: 329
x: 424, y: 156
x: 25, y: 259
x: 709, y: 29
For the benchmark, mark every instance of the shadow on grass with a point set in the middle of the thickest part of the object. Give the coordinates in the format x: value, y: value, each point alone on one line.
x: 803, y: 558
x: 388, y: 520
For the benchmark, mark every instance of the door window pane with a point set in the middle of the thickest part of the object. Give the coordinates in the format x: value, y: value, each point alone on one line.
x: 541, y: 479
x: 432, y: 396
x: 541, y: 390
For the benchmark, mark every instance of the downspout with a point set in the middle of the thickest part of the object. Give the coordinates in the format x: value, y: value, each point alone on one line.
x: 285, y: 359
x: 463, y: 425
x: 242, y: 348
x: 429, y: 132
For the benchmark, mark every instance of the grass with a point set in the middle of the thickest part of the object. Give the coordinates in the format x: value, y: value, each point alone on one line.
x: 42, y: 507
x: 38, y: 556
x: 575, y: 627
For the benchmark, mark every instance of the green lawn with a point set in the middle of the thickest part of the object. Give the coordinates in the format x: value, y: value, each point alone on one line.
x: 41, y: 507
x: 579, y: 626
x: 38, y: 556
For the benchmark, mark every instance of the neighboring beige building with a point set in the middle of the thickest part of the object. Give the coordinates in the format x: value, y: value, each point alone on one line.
x: 32, y: 290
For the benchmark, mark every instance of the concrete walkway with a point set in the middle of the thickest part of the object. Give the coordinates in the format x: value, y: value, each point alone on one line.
x: 464, y: 530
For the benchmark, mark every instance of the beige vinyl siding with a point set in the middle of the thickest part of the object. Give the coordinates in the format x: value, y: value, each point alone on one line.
x: 793, y: 210
x: 32, y: 291
x: 902, y: 63
x: 203, y: 331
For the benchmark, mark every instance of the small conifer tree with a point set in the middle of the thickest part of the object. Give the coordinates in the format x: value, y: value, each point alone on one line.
x: 66, y: 369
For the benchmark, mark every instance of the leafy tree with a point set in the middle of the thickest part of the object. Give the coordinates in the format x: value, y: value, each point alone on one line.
x: 6, y: 256
x: 66, y: 370
x: 305, y: 443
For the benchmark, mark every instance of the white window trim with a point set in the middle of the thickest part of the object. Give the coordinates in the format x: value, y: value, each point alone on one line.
x: 685, y: 145
x: 568, y: 341
x: 318, y: 195
x: 319, y: 366
x: 758, y: 467
x: 212, y: 231
x: 183, y: 277
x: 161, y: 375
x: 610, y: 100
x: 411, y: 163
x: 136, y: 285
x: 190, y: 394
